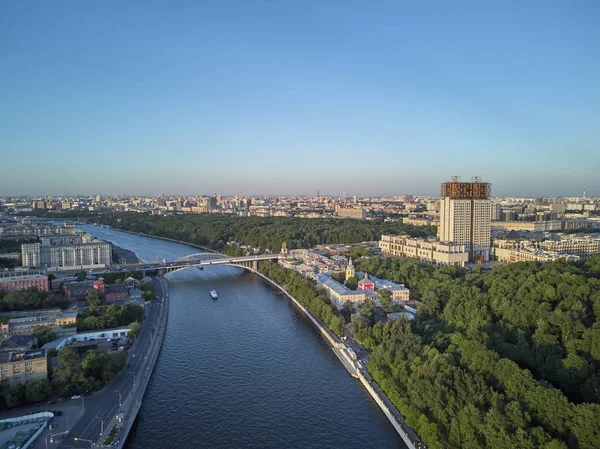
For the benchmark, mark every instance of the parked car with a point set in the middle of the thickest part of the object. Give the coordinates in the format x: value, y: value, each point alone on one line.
x: 76, y: 396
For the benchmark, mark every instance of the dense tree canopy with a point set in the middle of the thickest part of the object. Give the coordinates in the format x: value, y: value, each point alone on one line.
x: 106, y: 317
x: 306, y: 291
x: 73, y: 375
x: 31, y: 299
x: 508, y: 358
x: 44, y: 334
x: 214, y: 231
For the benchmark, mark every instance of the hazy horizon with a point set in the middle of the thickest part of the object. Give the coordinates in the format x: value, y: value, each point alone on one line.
x: 288, y: 98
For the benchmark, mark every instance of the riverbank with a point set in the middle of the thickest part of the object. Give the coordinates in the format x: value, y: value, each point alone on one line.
x: 167, y: 239
x: 124, y: 256
x: 357, y: 370
x: 129, y: 416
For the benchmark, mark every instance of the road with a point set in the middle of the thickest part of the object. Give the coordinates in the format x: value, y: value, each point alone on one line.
x: 101, y: 408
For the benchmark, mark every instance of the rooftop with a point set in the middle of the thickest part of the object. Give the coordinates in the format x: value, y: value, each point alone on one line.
x: 23, y: 278
x: 19, y: 356
x: 336, y: 286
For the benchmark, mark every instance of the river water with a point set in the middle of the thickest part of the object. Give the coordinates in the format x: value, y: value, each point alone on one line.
x: 245, y: 371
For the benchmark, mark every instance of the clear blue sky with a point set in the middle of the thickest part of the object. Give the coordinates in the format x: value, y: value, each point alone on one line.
x: 276, y: 97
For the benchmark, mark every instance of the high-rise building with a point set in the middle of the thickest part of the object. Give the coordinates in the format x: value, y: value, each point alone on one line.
x: 465, y: 216
x: 67, y: 252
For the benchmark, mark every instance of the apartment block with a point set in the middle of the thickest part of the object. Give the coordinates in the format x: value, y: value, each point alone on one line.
x: 430, y: 251
x: 582, y: 247
x: 22, y: 367
x: 465, y: 217
x: 347, y: 212
x: 24, y: 322
x: 16, y: 283
x: 67, y: 252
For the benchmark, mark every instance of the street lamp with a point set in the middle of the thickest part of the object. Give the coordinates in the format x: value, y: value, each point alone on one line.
x: 83, y: 439
x: 52, y: 435
x: 117, y: 391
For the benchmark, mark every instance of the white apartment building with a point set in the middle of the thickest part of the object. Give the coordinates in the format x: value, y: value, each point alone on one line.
x: 582, y: 247
x: 431, y: 251
x: 465, y: 217
x: 67, y: 255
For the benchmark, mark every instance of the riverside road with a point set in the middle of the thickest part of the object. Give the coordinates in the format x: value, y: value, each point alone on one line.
x: 101, y: 408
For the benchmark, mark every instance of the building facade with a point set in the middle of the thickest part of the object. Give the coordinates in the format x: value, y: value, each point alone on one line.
x: 347, y: 212
x: 516, y: 251
x: 70, y: 252
x: 24, y: 322
x: 465, y: 217
x: 582, y: 247
x: 16, y: 283
x: 430, y: 251
x: 23, y: 367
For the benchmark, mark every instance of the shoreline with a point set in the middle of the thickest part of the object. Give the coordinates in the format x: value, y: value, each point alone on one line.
x: 193, y: 245
x: 126, y: 256
x: 359, y: 372
x: 356, y: 370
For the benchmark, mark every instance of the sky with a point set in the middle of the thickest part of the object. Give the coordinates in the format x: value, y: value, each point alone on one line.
x: 277, y: 97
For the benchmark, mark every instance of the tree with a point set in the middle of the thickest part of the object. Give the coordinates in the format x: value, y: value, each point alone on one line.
x: 134, y: 329
x: 358, y: 252
x: 148, y: 295
x: 94, y: 298
x: 338, y: 276
x: 37, y: 391
x: 367, y: 312
x: 43, y: 334
x: 69, y: 372
x: 348, y: 310
x: 385, y: 300
x: 336, y: 326
x: 14, y: 396
x: 352, y: 283
x: 81, y: 276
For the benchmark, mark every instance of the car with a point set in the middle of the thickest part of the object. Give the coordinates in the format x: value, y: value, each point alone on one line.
x: 76, y: 396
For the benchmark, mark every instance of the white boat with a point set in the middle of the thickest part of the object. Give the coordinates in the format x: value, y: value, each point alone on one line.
x: 213, y: 293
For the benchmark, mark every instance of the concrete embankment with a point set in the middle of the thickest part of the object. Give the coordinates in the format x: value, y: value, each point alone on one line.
x: 136, y: 404
x: 389, y: 410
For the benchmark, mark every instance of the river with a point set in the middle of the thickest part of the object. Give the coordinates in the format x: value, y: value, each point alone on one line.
x: 245, y: 371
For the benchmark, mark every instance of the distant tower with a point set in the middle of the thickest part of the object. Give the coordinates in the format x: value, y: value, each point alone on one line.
x: 465, y: 216
x: 349, y: 270
x: 584, y: 194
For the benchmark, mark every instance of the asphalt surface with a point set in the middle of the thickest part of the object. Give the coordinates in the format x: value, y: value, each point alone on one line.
x: 102, y: 407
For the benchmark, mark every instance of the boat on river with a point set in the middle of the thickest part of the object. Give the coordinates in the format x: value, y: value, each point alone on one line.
x: 213, y: 293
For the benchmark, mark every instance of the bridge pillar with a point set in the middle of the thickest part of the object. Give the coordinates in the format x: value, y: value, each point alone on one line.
x: 255, y: 265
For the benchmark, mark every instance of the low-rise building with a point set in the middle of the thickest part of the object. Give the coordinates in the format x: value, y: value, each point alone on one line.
x: 346, y: 212
x: 338, y: 293
x: 368, y: 287
x: 16, y: 283
x: 111, y: 292
x: 77, y: 291
x: 431, y: 251
x: 24, y: 322
x: 582, y: 247
x: 513, y: 248
x: 22, y: 367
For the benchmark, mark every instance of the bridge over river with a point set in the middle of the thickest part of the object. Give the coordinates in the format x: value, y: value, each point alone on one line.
x: 193, y: 260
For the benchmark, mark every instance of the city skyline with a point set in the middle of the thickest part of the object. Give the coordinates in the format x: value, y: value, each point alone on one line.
x: 287, y: 99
